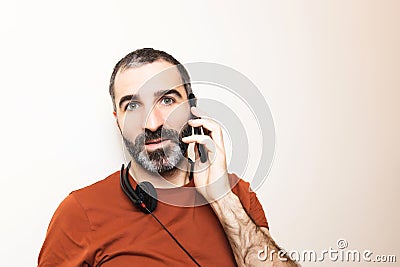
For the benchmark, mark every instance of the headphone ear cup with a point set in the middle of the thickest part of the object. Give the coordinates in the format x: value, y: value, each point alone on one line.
x: 148, y: 194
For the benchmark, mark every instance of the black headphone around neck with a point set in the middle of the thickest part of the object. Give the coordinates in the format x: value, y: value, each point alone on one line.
x: 144, y: 196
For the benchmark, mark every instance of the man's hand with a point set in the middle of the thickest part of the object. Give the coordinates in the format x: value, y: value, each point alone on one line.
x: 210, y: 177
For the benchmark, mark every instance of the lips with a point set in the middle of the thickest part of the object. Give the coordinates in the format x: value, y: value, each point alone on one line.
x: 155, y: 141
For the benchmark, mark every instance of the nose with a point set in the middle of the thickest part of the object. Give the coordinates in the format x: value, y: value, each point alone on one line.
x: 154, y: 120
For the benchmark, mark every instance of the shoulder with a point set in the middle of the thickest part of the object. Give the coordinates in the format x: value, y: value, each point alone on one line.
x: 241, y: 188
x: 97, y: 191
x: 69, y: 230
x: 78, y: 202
x: 103, y: 200
x: 249, y: 199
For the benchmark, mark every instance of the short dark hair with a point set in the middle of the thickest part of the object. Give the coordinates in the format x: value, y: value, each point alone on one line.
x: 144, y: 56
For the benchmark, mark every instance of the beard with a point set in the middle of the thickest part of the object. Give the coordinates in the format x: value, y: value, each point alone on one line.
x: 163, y: 159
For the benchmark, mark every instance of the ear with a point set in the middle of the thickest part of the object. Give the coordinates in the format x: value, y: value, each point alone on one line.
x: 115, y: 117
x: 116, y: 120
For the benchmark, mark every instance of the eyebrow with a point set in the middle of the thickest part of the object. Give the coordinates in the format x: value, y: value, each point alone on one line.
x: 156, y: 94
x: 127, y: 98
x: 167, y: 92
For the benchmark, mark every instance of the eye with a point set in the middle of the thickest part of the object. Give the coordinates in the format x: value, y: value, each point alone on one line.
x: 167, y: 100
x: 132, y: 106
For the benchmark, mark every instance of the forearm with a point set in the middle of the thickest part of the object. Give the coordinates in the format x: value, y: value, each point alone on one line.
x: 246, y: 238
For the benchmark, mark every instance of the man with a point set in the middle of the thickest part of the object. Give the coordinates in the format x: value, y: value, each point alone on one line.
x: 213, y: 217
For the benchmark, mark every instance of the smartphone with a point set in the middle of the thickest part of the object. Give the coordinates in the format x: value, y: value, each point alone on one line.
x: 197, y: 130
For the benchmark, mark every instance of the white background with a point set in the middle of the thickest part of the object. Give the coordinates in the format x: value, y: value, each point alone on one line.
x: 328, y: 69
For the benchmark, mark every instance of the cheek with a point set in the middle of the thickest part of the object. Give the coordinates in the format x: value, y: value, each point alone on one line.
x: 130, y: 127
x: 177, y: 118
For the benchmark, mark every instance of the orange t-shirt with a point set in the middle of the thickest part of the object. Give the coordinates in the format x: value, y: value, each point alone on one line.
x: 99, y: 226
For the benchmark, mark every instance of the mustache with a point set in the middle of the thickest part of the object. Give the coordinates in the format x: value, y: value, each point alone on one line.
x: 162, y: 134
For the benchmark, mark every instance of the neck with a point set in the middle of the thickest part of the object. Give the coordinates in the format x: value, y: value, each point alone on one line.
x: 177, y: 177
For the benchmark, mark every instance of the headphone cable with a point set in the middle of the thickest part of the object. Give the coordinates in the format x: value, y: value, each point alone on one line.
x: 173, y: 237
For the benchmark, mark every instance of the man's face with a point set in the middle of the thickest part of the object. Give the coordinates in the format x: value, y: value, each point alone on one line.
x: 152, y: 113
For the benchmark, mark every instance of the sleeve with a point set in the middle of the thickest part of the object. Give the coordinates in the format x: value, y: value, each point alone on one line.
x: 67, y: 238
x: 249, y: 200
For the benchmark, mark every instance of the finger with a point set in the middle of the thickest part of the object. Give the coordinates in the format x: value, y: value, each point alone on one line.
x: 201, y: 139
x: 210, y: 127
x: 209, y: 124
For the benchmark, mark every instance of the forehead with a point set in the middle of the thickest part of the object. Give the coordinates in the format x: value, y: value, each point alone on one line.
x: 146, y: 79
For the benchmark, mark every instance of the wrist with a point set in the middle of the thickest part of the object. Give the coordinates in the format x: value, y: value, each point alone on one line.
x: 228, y: 208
